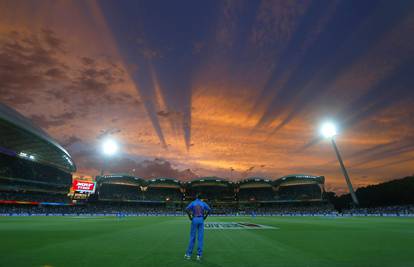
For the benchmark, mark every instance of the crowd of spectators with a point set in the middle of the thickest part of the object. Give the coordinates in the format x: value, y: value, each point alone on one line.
x: 387, y: 210
x: 291, y: 192
x: 33, y: 197
x: 119, y: 192
x: 213, y: 193
x: 150, y: 195
x: 141, y: 209
x: 115, y: 196
x: 299, y: 192
x: 101, y: 208
x: 293, y: 209
x: 163, y: 194
x: 135, y: 193
x: 256, y: 194
x: 124, y: 202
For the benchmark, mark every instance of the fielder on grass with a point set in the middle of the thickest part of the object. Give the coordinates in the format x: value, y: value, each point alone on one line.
x: 197, y: 212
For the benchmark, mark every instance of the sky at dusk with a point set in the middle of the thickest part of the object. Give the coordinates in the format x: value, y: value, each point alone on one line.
x: 205, y: 87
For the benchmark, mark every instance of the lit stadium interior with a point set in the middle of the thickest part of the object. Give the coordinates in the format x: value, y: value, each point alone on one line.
x: 207, y: 133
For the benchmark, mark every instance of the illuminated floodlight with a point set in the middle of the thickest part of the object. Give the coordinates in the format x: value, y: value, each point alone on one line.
x: 109, y: 147
x: 328, y: 130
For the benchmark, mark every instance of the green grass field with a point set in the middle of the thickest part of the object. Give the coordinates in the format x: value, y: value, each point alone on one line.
x: 161, y: 241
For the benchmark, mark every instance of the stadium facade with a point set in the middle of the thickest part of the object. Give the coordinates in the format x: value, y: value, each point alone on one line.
x: 254, y: 192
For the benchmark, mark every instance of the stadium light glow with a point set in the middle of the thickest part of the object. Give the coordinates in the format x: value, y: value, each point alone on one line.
x: 328, y: 130
x: 109, y: 147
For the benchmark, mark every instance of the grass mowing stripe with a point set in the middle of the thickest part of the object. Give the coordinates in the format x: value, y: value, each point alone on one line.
x: 161, y: 241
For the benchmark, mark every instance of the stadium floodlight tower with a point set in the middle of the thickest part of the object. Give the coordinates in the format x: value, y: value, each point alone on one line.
x: 109, y: 148
x: 328, y: 130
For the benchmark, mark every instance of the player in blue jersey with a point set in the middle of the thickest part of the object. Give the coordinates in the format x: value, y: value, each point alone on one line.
x: 197, y: 212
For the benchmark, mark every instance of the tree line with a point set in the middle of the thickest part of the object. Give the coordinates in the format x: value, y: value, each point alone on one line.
x: 395, y: 192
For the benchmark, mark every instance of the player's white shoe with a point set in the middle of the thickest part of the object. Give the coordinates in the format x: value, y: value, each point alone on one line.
x: 187, y: 257
x: 198, y: 257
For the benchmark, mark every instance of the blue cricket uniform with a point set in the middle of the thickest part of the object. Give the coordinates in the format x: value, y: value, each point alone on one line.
x: 197, y: 208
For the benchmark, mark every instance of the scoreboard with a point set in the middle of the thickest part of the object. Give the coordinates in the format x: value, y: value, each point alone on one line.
x: 82, y: 186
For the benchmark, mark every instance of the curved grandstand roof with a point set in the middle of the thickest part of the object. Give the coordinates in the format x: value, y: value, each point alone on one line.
x: 209, y: 181
x: 164, y: 182
x: 299, y: 179
x: 255, y: 182
x: 251, y: 182
x: 120, y: 179
x: 20, y: 137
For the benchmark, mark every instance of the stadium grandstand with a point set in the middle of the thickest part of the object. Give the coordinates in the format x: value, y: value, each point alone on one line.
x: 255, y: 193
x: 255, y: 189
x: 137, y: 193
x: 219, y: 192
x: 300, y: 187
x: 168, y: 190
x: 213, y: 189
x: 34, y: 168
x: 292, y: 188
x: 120, y: 188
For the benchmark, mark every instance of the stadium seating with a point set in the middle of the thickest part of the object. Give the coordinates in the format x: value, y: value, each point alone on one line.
x: 34, y: 197
x: 163, y: 194
x: 25, y: 180
x: 256, y: 194
x: 299, y: 192
x: 29, y: 171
